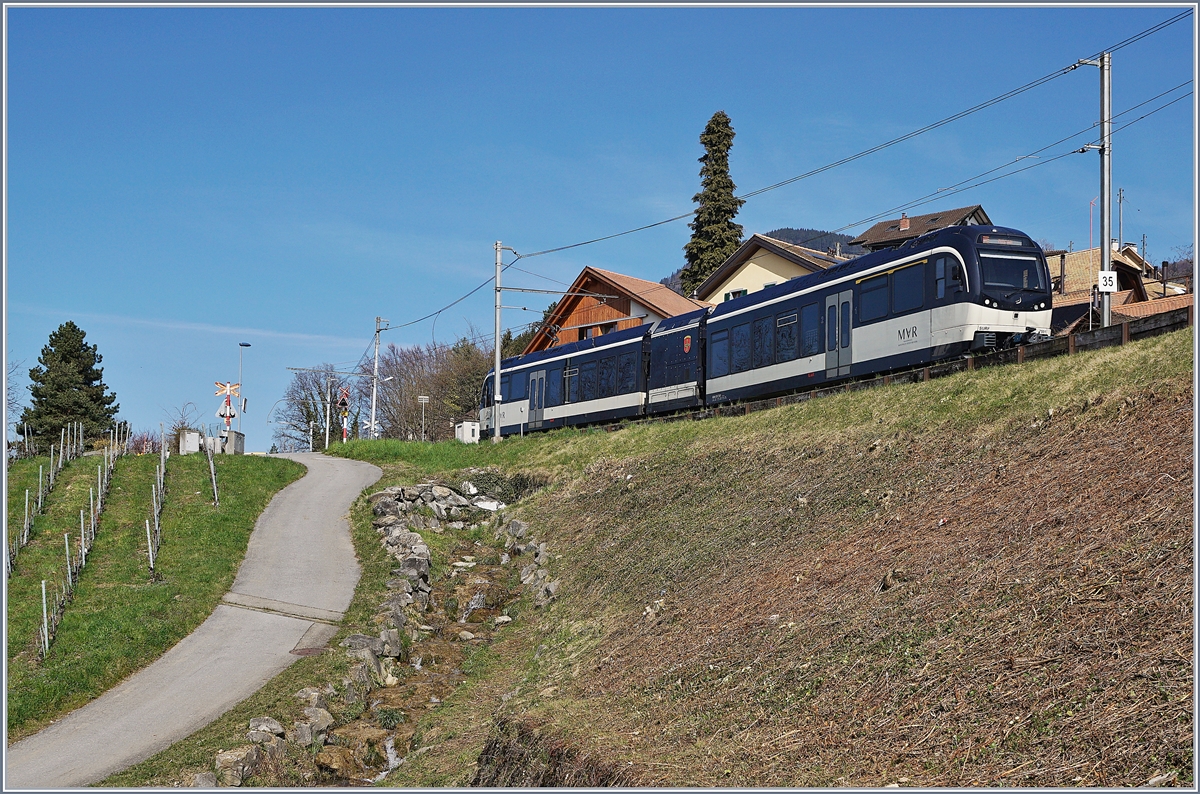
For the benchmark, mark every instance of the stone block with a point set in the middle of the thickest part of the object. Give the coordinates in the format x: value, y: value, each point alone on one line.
x: 266, y: 724
x: 234, y: 766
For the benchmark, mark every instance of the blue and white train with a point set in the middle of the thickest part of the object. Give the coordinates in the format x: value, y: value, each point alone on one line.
x: 948, y: 293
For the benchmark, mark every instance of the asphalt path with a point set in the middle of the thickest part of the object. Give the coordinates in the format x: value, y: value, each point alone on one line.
x: 290, y: 592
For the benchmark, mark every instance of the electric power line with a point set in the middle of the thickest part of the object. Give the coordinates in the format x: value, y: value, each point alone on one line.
x: 927, y: 128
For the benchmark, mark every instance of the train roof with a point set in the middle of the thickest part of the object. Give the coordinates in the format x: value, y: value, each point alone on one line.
x: 679, y: 321
x: 604, y: 340
x: 864, y: 262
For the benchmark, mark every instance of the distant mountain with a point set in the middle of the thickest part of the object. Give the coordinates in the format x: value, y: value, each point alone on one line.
x: 674, y: 281
x: 817, y: 240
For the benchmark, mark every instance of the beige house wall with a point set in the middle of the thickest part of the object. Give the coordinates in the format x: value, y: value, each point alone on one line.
x: 760, y: 269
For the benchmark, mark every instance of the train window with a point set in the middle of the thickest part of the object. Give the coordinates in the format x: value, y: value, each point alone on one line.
x: 785, y: 337
x: 810, y: 331
x: 908, y: 288
x: 845, y: 324
x: 504, y: 395
x: 719, y: 345
x: 554, y: 383
x: 740, y: 348
x: 764, y: 342
x: 587, y: 381
x: 627, y: 373
x: 608, y: 376
x: 571, y: 379
x: 1011, y: 271
x: 831, y: 329
x: 520, y: 387
x: 939, y: 277
x: 872, y: 302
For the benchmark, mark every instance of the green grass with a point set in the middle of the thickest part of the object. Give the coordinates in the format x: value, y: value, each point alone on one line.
x: 45, y: 556
x: 983, y: 401
x: 122, y: 618
x: 22, y: 475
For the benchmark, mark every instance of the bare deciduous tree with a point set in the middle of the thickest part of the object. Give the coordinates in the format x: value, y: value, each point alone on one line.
x: 304, y: 408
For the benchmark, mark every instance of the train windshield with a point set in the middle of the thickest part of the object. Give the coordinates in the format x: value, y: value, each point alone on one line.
x: 1007, y: 271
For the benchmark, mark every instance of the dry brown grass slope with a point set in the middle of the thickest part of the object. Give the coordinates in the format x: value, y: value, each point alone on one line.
x: 935, y: 585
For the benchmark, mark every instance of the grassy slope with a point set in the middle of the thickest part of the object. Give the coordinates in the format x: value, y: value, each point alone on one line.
x: 22, y: 475
x: 45, y: 556
x: 1042, y: 633
x: 1040, y: 636
x: 121, y: 617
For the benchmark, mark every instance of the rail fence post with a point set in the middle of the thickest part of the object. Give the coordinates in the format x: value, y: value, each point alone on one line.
x: 82, y: 542
x: 45, y: 623
x: 150, y: 545
x: 39, y: 488
x: 67, y: 543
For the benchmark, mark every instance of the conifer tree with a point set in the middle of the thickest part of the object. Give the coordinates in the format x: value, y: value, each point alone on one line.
x: 714, y: 234
x: 67, y: 386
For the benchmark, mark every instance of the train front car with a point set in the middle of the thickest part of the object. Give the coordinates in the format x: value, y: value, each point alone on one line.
x: 1005, y: 286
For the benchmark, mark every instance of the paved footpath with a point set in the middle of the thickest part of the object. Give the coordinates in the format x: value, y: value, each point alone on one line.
x: 290, y: 592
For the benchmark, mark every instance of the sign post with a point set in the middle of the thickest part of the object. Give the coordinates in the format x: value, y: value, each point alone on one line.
x: 344, y: 406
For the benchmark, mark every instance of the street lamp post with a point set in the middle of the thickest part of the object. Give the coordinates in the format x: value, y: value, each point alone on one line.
x: 422, y: 400
x: 240, y: 346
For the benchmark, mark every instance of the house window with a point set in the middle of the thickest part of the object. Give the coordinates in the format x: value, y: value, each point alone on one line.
x: 770, y: 284
x: 737, y: 293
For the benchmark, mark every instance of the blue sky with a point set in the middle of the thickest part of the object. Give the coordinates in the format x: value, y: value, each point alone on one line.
x: 180, y: 180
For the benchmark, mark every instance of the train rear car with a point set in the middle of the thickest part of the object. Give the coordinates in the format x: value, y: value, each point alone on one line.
x: 592, y: 380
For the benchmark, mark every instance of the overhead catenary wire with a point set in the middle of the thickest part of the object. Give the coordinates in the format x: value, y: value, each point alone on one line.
x: 900, y: 139
x: 887, y: 144
x: 961, y: 186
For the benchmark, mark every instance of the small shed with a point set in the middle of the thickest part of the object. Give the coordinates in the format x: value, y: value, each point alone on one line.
x: 467, y: 432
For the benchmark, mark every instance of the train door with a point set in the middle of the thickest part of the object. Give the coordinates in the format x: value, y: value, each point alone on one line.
x: 537, y: 397
x: 837, y: 333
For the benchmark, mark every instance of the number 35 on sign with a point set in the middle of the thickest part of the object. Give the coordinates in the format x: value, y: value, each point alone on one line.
x: 1108, y: 281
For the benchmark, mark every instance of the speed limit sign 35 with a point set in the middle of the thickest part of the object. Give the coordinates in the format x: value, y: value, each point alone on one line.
x: 1108, y: 281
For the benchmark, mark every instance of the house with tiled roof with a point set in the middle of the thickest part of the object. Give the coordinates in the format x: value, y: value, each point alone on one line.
x: 891, y: 233
x: 761, y: 262
x: 1079, y: 271
x: 600, y: 302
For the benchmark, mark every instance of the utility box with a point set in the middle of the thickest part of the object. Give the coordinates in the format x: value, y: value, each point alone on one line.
x: 189, y: 442
x: 467, y: 432
x: 235, y: 443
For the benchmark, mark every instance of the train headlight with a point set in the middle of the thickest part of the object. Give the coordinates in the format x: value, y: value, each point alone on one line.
x: 987, y: 302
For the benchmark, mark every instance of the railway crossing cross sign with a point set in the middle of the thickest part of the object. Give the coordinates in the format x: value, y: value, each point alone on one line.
x: 227, y: 411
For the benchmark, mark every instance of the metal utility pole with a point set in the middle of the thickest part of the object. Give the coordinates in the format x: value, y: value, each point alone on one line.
x: 240, y: 346
x: 1105, y: 182
x: 1107, y: 280
x: 375, y: 375
x: 496, y: 368
x: 328, y: 399
x: 422, y: 400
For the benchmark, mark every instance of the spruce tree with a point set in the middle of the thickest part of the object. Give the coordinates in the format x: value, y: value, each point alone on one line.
x: 67, y: 387
x: 714, y: 234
